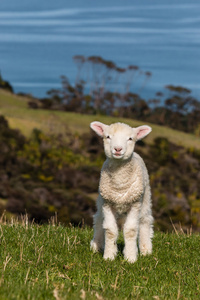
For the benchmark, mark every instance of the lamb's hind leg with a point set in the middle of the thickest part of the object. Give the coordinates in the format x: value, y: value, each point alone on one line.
x: 146, y: 225
x: 97, y: 242
x: 111, y: 233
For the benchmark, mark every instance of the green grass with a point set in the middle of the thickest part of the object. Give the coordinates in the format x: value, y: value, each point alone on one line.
x: 16, y: 110
x: 55, y: 262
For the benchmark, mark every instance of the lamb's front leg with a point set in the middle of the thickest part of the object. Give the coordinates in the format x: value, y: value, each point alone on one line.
x: 111, y: 233
x: 131, y: 226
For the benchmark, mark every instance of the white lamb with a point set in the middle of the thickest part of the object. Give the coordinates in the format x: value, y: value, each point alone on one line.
x: 124, y: 192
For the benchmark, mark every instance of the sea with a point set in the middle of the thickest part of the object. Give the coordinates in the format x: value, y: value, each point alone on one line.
x: 39, y: 38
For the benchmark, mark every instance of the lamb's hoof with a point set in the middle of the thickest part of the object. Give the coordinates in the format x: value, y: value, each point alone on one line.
x: 130, y: 257
x: 94, y: 247
x: 109, y: 256
x: 144, y: 250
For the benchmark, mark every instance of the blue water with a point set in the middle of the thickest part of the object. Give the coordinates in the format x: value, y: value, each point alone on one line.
x: 39, y: 38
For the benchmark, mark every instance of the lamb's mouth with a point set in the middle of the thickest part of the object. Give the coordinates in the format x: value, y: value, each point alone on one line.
x: 118, y: 155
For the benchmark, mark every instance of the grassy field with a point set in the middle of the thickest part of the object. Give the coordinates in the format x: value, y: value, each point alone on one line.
x: 16, y: 110
x: 55, y: 262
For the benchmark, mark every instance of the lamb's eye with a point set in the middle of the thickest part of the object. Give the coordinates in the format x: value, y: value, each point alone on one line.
x: 108, y: 137
x: 130, y: 139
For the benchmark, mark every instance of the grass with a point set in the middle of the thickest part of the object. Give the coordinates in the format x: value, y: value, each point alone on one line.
x: 16, y: 110
x: 55, y: 262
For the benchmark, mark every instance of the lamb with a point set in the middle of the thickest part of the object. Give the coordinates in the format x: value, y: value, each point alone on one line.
x: 124, y: 193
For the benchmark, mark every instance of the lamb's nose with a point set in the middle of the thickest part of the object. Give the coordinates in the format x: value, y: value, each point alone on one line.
x: 118, y: 149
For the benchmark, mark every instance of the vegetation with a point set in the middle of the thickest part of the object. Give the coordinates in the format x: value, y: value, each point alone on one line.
x: 5, y: 84
x: 42, y: 175
x: 102, y: 87
x: 19, y: 116
x: 49, y: 169
x: 48, y: 173
x: 53, y: 163
x: 55, y: 262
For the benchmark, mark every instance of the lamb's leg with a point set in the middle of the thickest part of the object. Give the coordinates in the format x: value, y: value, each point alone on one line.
x: 97, y: 242
x: 146, y: 224
x: 111, y: 233
x: 131, y: 233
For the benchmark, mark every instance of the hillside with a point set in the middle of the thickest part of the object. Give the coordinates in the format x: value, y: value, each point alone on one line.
x: 16, y: 110
x: 52, y: 164
x: 55, y: 262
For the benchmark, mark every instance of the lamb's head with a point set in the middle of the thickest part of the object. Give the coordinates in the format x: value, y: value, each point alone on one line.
x: 119, y: 138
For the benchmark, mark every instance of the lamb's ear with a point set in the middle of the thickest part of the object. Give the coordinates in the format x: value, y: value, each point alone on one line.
x: 98, y: 127
x: 142, y: 131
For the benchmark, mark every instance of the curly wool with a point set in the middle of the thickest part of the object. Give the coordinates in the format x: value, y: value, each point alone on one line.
x: 123, y: 183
